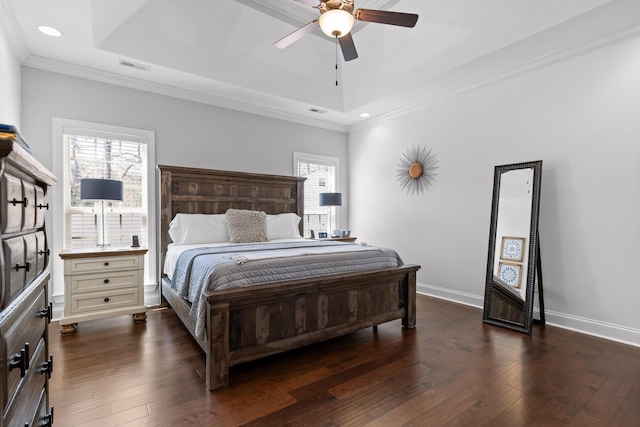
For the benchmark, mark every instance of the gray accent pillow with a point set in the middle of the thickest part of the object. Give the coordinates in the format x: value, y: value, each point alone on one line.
x: 246, y: 226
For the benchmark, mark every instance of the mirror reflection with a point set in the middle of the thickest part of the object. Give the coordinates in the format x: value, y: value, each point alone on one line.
x: 512, y: 261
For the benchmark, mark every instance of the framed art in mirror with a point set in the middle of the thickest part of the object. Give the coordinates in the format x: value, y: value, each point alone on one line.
x: 512, y: 248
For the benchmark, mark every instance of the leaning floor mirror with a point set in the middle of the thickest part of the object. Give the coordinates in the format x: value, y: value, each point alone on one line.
x: 513, y: 263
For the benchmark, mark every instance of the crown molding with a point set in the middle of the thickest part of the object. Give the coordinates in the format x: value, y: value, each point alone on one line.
x: 10, y: 29
x: 535, y: 52
x: 190, y: 95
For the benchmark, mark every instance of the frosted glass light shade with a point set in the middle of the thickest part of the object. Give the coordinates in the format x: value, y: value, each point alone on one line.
x: 336, y: 22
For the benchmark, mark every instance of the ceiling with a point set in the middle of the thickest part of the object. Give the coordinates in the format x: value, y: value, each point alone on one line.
x: 221, y: 52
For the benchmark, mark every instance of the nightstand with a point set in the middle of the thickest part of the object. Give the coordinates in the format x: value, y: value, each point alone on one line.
x: 101, y: 283
x: 340, y: 239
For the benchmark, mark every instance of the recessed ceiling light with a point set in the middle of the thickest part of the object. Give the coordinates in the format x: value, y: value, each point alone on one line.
x: 50, y: 31
x: 364, y: 115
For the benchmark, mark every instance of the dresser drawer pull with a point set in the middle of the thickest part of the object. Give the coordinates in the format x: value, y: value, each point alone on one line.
x: 48, y: 419
x: 46, y: 312
x: 106, y: 263
x: 106, y: 299
x: 47, y: 367
x: 26, y: 267
x: 47, y: 252
x: 24, y: 202
x: 44, y: 206
x: 106, y: 281
x: 21, y: 360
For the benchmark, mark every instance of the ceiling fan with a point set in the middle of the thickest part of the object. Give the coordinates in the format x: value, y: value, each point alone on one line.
x: 337, y: 18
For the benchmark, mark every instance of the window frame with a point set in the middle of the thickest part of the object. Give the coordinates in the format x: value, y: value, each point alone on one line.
x: 63, y: 126
x: 321, y: 160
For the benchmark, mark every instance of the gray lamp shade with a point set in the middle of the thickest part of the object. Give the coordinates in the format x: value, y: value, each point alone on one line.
x: 330, y: 199
x: 101, y: 189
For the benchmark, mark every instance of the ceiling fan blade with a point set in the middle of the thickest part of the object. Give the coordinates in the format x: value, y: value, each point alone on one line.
x: 348, y: 47
x: 384, y: 17
x: 296, y: 35
x: 313, y: 3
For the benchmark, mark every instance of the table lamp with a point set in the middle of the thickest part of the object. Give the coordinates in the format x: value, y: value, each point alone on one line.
x: 101, y: 190
x: 330, y: 199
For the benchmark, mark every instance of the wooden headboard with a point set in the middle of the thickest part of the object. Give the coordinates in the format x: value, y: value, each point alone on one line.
x: 207, y: 191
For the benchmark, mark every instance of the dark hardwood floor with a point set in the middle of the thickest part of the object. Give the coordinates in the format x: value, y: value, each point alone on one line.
x: 451, y: 370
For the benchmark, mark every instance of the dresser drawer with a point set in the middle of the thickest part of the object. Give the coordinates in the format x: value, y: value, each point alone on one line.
x: 12, y: 201
x: 25, y: 257
x: 23, y: 406
x: 95, y: 265
x: 104, y: 281
x: 13, y: 279
x: 100, y: 301
x: 44, y: 414
x: 28, y: 327
x: 41, y: 206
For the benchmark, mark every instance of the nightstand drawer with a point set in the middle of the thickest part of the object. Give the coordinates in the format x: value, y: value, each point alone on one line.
x: 104, y: 281
x: 95, y: 265
x: 99, y: 301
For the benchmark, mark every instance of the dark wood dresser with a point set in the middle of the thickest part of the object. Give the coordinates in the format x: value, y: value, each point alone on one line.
x: 25, y: 311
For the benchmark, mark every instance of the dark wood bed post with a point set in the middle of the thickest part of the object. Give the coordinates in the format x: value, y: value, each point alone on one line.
x: 409, y: 288
x: 217, y: 359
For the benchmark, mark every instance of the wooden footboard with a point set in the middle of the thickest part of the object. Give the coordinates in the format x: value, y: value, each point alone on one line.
x: 250, y: 323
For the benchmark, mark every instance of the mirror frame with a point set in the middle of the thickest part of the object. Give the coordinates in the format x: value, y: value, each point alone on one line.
x: 533, y: 256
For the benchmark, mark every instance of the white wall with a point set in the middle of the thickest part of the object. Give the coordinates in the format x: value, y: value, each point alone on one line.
x: 581, y: 116
x: 9, y: 83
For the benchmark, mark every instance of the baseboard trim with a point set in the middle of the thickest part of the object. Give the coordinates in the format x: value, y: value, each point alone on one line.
x: 449, y: 295
x: 608, y: 331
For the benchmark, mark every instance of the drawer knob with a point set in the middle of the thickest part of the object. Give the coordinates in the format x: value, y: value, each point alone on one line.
x: 47, y: 252
x: 24, y: 202
x: 106, y: 263
x: 44, y: 206
x: 21, y: 360
x: 106, y: 280
x: 106, y: 299
x: 48, y: 419
x: 47, y: 367
x: 46, y: 312
x: 26, y: 267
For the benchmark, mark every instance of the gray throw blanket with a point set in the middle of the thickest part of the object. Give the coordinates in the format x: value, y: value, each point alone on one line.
x: 223, y: 267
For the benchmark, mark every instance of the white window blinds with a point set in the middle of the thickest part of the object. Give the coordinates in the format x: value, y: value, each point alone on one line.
x: 90, y: 156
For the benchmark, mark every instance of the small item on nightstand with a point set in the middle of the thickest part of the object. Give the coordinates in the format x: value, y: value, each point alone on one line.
x: 322, y: 235
x: 135, y: 242
x: 313, y: 234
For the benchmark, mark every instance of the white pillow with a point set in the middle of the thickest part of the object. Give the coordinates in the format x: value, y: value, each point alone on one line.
x: 188, y: 229
x: 283, y: 226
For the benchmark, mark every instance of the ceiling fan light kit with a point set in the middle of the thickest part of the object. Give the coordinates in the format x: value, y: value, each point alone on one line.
x: 336, y: 21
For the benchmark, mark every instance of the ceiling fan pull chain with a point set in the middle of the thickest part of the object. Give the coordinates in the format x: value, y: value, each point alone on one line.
x: 336, y: 60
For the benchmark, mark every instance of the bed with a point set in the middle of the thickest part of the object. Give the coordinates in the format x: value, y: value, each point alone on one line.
x: 247, y: 323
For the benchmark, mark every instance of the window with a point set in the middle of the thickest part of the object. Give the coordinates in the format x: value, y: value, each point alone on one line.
x: 110, y: 158
x: 321, y: 173
x: 94, y: 150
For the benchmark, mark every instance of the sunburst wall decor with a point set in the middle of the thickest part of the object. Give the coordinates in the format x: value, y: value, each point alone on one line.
x: 417, y: 170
